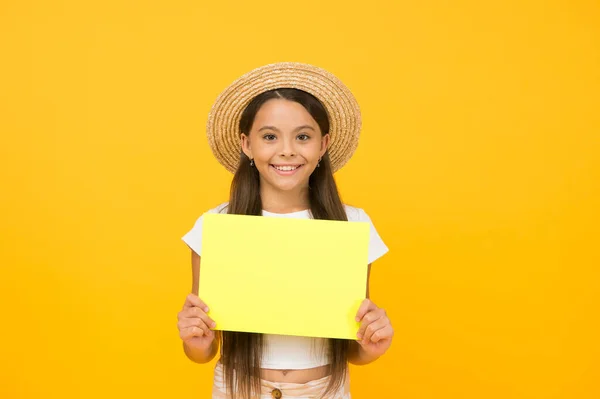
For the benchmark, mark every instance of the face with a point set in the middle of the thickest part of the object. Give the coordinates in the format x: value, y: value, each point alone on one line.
x: 285, y: 143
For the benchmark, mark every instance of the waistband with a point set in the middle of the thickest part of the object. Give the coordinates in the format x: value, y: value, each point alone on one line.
x: 283, y: 390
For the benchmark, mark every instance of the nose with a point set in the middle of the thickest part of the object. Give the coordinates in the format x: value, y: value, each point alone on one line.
x: 287, y: 148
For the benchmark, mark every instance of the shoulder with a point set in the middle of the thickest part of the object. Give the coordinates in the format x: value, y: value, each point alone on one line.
x: 377, y: 247
x: 356, y: 214
x: 221, y: 208
x: 193, y: 238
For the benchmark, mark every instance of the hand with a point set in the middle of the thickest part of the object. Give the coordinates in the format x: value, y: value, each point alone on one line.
x: 194, y: 324
x: 375, y: 332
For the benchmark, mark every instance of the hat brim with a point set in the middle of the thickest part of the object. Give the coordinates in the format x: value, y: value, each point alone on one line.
x: 342, y: 108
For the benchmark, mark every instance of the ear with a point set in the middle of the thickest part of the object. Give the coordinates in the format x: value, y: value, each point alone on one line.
x: 324, y: 144
x: 245, y: 141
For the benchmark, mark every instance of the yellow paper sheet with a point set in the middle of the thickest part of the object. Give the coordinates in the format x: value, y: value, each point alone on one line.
x: 284, y: 276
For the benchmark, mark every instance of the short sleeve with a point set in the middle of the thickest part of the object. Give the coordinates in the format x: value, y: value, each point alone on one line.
x: 377, y: 247
x: 193, y: 238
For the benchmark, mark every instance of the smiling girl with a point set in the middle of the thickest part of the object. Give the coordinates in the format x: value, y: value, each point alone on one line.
x: 283, y: 130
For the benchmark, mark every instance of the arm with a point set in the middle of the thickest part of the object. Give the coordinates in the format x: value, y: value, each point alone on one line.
x: 200, y: 354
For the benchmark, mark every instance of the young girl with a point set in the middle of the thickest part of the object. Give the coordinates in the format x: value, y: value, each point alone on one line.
x: 283, y: 130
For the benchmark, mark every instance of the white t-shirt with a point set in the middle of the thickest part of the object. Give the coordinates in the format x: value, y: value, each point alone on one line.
x: 291, y: 352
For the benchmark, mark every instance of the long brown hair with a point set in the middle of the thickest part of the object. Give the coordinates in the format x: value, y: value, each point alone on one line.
x: 242, y: 352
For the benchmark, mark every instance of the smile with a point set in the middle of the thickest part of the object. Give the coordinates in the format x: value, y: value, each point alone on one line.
x: 286, y: 169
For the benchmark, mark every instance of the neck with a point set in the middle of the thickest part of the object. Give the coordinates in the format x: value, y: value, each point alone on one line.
x: 278, y: 201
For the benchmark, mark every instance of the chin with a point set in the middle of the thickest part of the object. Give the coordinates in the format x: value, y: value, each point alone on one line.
x: 286, y: 185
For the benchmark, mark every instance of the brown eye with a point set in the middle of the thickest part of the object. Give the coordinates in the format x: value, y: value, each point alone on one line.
x: 269, y: 137
x: 303, y: 137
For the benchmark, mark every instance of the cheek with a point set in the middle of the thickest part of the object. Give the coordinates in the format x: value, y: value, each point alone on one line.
x: 313, y: 151
x: 262, y: 153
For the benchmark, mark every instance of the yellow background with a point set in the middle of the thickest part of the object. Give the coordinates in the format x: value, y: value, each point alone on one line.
x: 479, y: 164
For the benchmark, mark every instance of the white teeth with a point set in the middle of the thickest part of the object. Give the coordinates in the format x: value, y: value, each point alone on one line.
x: 286, y: 168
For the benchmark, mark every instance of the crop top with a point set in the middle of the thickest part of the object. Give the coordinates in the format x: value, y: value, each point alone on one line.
x: 285, y: 352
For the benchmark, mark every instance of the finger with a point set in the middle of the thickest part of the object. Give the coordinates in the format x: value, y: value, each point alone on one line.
x: 187, y: 323
x: 386, y: 332
x: 197, y: 313
x: 374, y: 327
x: 205, y: 318
x: 364, y: 308
x: 193, y: 300
x: 191, y: 332
x: 197, y: 323
x: 369, y: 318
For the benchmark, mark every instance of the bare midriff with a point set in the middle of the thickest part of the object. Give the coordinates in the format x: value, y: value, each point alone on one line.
x: 300, y: 376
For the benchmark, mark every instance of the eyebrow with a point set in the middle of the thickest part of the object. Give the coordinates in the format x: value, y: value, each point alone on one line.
x: 295, y: 130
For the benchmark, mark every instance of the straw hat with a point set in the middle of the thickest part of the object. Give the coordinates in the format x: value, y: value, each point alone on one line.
x: 343, y: 111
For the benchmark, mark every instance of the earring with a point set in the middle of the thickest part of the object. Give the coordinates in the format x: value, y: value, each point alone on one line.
x: 319, y: 163
x: 252, y: 162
